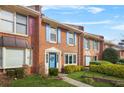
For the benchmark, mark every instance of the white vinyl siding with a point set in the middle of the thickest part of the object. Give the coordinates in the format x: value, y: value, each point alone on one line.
x: 11, y: 22
x: 28, y: 54
x: 14, y: 58
x: 70, y: 58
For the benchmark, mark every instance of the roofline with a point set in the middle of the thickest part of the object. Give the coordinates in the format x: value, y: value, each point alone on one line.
x: 27, y: 8
x: 64, y: 25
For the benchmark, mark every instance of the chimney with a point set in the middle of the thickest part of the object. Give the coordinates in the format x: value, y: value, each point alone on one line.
x: 36, y: 7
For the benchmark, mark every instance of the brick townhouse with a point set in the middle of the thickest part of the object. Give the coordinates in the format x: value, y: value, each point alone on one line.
x: 29, y: 38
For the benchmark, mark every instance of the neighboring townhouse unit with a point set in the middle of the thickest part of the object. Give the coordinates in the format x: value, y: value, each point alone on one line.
x: 19, y: 27
x: 92, y: 48
x: 120, y: 50
x: 59, y: 45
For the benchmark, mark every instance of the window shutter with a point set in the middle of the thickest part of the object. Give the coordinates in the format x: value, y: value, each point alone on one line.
x: 75, y: 39
x: 47, y: 32
x: 67, y: 38
x: 59, y: 35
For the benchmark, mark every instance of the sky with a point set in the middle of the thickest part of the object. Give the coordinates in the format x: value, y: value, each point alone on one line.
x: 105, y: 20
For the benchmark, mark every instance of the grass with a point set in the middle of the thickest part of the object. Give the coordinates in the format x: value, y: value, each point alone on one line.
x: 37, y: 81
x: 77, y: 76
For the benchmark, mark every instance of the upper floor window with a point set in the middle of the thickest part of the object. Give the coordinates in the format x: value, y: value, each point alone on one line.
x: 53, y: 35
x: 86, y: 43
x: 95, y: 45
x: 71, y: 38
x: 11, y: 22
x: 21, y: 24
x: 6, y: 21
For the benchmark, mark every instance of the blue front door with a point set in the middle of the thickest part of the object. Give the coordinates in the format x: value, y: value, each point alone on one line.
x: 52, y: 60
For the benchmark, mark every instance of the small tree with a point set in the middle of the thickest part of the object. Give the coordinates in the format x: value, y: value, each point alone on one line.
x: 110, y: 54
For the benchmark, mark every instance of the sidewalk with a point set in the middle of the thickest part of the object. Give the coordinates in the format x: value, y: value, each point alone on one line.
x: 73, y: 82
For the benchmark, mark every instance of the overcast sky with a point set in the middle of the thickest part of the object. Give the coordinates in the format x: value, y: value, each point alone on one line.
x: 102, y: 20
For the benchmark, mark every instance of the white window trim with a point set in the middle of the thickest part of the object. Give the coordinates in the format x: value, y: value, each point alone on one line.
x: 14, y: 29
x: 73, y: 40
x: 72, y: 58
x: 56, y: 36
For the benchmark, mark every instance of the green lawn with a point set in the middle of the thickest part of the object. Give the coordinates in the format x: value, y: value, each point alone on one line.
x: 77, y: 76
x: 37, y: 81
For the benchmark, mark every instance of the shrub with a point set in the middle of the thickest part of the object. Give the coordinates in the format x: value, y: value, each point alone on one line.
x: 121, y: 61
x: 19, y: 72
x: 109, y: 69
x: 111, y: 55
x: 99, y: 62
x: 10, y: 73
x: 15, y: 73
x: 88, y: 80
x: 53, y: 72
x: 94, y: 63
x: 73, y: 68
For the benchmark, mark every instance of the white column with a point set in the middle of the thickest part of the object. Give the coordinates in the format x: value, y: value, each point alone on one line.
x: 25, y: 61
x: 4, y: 57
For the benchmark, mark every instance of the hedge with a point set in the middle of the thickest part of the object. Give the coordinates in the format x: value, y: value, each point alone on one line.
x: 109, y: 69
x: 99, y: 62
x: 73, y: 68
x: 15, y: 73
x: 53, y: 72
x: 121, y: 61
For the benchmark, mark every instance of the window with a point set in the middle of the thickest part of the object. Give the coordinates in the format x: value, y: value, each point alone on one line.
x: 95, y: 45
x: 14, y: 58
x: 6, y: 21
x: 86, y: 43
x: 47, y: 58
x: 70, y: 59
x: 53, y: 35
x: 10, y: 25
x: 71, y: 38
x: 21, y: 24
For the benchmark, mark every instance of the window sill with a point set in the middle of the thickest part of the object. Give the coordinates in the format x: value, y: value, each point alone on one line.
x: 15, y: 34
x: 71, y: 45
x: 70, y: 64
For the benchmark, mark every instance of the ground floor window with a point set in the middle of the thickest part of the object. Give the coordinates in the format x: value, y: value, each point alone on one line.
x: 95, y: 58
x: 15, y: 57
x: 70, y: 58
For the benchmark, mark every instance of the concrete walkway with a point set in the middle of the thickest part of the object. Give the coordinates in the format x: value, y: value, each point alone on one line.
x: 73, y: 82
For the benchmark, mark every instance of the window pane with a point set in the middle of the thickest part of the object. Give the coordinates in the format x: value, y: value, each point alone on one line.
x: 7, y: 15
x: 74, y: 58
x: 21, y: 29
x: 53, y: 35
x: 71, y: 41
x: 66, y: 59
x: 6, y: 26
x: 71, y: 38
x: 21, y: 19
x: 70, y: 59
